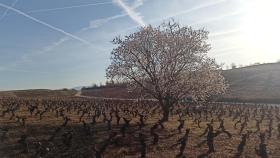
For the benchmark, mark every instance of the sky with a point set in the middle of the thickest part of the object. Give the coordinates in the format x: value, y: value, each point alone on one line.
x: 66, y: 43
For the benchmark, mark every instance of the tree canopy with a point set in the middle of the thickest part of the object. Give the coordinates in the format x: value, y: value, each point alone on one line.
x: 168, y: 62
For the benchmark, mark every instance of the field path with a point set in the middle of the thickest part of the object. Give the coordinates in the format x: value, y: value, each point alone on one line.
x: 78, y: 94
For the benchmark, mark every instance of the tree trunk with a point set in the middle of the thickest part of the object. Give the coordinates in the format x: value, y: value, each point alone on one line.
x: 166, y: 109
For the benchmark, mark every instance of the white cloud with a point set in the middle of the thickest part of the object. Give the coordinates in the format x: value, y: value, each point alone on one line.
x: 216, y: 18
x: 28, y: 57
x: 94, y: 24
x: 225, y: 33
x: 137, y: 3
x: 198, y: 7
x: 98, y: 22
x: 135, y: 16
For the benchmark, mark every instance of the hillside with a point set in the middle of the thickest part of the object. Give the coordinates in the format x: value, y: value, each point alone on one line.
x: 117, y: 91
x: 258, y: 83
x: 38, y: 93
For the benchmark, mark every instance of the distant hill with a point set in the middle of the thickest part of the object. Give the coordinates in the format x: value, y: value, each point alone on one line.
x: 112, y: 91
x: 257, y: 83
x: 39, y: 93
x: 254, y: 83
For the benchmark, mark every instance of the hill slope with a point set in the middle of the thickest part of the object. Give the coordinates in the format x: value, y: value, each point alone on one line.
x: 38, y: 93
x: 116, y: 91
x: 261, y: 82
x: 258, y: 83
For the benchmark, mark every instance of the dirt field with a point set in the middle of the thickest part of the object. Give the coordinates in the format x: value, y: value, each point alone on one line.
x: 80, y: 137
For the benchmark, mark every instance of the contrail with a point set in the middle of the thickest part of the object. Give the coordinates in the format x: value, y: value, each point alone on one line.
x: 130, y: 12
x: 222, y: 33
x: 218, y: 17
x: 68, y: 7
x: 206, y: 5
x: 98, y: 22
x: 7, y: 10
x: 45, y: 24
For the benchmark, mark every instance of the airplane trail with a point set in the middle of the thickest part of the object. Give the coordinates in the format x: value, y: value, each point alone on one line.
x: 7, y: 10
x: 46, y: 24
x: 68, y: 7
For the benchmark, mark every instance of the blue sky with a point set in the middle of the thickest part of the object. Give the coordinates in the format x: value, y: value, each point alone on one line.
x: 66, y: 43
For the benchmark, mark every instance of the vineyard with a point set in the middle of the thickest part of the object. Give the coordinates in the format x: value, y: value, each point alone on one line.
x: 85, y: 127
x: 139, y: 79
